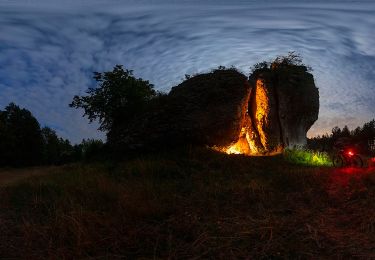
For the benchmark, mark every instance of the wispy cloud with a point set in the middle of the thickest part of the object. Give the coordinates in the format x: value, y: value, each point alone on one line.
x: 48, y: 50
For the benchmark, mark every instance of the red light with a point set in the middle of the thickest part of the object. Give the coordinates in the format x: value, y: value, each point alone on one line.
x: 350, y: 153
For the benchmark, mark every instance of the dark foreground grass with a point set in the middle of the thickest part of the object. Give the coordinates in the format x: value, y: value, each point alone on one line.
x: 191, y: 204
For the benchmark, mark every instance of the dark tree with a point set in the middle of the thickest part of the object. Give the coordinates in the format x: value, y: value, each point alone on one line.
x: 56, y: 149
x: 21, y: 141
x: 92, y: 149
x: 345, y: 132
x: 51, y: 151
x: 118, y: 97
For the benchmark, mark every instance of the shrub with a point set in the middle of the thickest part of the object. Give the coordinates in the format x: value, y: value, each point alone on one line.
x: 307, y: 157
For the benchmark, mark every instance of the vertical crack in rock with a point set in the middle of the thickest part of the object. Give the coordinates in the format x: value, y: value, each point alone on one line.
x: 266, y: 114
x: 254, y: 130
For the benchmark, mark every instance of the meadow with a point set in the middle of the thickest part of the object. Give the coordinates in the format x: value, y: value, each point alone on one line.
x: 188, y: 204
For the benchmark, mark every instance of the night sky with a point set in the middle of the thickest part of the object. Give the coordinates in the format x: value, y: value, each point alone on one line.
x: 48, y: 51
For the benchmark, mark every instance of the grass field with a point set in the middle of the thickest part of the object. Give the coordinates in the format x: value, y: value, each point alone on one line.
x: 191, y: 204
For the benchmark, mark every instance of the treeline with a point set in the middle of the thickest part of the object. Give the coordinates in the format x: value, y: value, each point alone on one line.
x: 24, y: 143
x: 362, y: 138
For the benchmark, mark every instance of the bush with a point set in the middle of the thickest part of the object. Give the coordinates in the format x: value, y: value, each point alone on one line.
x: 307, y: 157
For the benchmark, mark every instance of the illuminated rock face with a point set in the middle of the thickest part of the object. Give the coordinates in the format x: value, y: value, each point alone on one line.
x: 283, y: 105
x: 264, y: 114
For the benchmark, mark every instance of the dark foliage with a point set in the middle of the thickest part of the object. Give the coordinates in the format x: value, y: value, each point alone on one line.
x: 24, y: 143
x: 91, y: 150
x: 289, y: 61
x: 21, y: 140
x: 119, y: 97
x: 57, y: 150
x: 118, y: 101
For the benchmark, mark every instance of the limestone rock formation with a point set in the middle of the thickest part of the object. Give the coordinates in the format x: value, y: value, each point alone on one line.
x: 298, y: 105
x: 291, y: 100
x: 223, y: 109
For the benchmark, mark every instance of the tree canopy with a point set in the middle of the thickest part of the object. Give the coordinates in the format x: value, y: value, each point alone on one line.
x: 20, y: 136
x: 283, y: 61
x: 118, y: 96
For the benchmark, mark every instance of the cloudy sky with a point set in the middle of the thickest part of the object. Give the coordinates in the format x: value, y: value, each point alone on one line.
x: 48, y: 50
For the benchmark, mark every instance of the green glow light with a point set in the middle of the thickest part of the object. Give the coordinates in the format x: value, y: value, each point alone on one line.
x: 307, y: 157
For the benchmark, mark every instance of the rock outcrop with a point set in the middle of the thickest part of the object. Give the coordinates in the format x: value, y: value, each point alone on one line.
x: 211, y: 107
x: 223, y: 109
x: 285, y: 105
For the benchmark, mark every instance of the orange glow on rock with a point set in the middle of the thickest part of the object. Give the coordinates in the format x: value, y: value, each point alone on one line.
x: 262, y: 109
x: 242, y: 146
x: 245, y: 145
x: 246, y: 142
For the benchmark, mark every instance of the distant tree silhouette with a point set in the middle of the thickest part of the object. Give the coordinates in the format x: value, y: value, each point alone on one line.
x: 345, y: 132
x: 56, y: 150
x: 20, y: 136
x: 361, y: 137
x: 51, y: 152
x: 118, y: 97
x: 24, y: 143
x: 92, y: 149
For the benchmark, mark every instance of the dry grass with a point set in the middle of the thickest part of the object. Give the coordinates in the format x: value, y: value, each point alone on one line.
x: 8, y: 176
x: 192, y: 204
